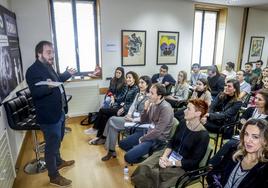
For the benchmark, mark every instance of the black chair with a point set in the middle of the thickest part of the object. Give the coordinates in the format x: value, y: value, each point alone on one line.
x: 20, y: 118
x: 27, y: 93
x: 192, y: 177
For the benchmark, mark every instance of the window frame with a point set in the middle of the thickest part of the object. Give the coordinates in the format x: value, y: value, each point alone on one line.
x: 202, y: 31
x: 74, y: 15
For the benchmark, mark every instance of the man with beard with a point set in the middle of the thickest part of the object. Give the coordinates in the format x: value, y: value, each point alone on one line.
x: 51, y: 106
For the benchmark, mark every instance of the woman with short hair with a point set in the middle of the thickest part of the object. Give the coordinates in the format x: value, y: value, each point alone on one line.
x: 184, y: 151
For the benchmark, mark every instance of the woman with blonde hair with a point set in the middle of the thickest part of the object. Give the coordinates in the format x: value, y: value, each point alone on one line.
x: 181, y: 91
x: 247, y: 167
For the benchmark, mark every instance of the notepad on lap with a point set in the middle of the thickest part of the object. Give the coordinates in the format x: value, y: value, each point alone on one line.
x: 50, y: 83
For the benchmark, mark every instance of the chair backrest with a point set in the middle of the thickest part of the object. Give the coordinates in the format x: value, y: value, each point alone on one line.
x: 204, y: 161
x: 27, y: 93
x: 175, y: 124
x: 18, y: 114
x: 247, y: 99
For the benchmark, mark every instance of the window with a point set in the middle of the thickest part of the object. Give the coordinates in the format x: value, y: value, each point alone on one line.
x: 75, y: 34
x: 204, y: 37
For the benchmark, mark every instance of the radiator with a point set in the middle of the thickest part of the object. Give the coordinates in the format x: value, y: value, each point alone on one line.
x: 7, y: 168
x: 85, y: 98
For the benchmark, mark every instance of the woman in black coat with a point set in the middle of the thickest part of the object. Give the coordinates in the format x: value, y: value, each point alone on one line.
x: 224, y: 108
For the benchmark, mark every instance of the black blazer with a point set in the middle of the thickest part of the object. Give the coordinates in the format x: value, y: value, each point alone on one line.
x: 221, y: 112
x: 47, y: 101
x: 256, y: 178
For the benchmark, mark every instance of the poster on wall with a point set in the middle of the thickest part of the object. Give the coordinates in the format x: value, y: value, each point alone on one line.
x: 255, y: 49
x: 167, y: 47
x: 133, y: 47
x: 10, y: 59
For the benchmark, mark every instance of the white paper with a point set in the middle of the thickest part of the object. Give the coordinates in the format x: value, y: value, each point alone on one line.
x: 49, y: 83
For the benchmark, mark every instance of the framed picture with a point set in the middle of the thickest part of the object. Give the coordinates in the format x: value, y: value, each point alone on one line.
x: 255, y: 49
x: 133, y: 47
x: 167, y: 47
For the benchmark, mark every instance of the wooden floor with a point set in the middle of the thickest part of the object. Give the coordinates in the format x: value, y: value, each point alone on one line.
x: 89, y: 171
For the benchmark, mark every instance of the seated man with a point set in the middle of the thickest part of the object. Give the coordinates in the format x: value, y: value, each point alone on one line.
x: 196, y: 74
x: 215, y: 81
x: 158, y: 116
x: 258, y: 68
x: 245, y: 87
x: 164, y: 78
x: 229, y: 71
x: 250, y: 77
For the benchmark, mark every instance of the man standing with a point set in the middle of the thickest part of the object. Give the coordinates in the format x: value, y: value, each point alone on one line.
x: 51, y: 106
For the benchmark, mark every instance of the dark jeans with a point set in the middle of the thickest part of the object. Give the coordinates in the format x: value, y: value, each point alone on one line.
x: 103, y: 116
x: 135, y: 150
x: 53, y: 134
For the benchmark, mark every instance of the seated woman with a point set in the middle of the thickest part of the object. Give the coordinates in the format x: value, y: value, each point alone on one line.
x: 115, y: 123
x: 181, y: 90
x: 184, y: 151
x: 247, y: 167
x: 118, y: 109
x: 258, y: 112
x: 158, y: 116
x: 116, y: 92
x: 201, y: 92
x: 224, y: 108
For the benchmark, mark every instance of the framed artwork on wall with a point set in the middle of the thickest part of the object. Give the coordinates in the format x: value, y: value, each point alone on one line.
x: 255, y: 48
x: 167, y: 47
x: 133, y: 47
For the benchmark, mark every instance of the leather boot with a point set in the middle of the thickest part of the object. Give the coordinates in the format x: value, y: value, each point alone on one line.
x: 109, y: 155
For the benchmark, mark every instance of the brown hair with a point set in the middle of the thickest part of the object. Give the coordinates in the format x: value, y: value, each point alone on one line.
x: 184, y: 75
x: 200, y: 105
x: 264, y: 94
x: 263, y: 152
x: 135, y: 76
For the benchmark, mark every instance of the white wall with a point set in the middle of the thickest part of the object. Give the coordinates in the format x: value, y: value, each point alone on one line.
x: 257, y: 26
x: 152, y: 16
x: 232, y: 35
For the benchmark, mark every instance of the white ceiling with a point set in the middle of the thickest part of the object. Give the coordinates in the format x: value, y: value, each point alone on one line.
x: 262, y: 4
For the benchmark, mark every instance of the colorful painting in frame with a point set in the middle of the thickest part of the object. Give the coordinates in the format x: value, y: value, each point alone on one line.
x: 167, y: 48
x: 255, y: 49
x: 133, y: 47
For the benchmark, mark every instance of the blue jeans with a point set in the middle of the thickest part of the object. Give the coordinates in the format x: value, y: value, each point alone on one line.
x: 53, y: 134
x: 135, y: 150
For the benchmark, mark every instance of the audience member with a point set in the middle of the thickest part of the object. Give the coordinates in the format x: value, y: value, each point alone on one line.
x: 116, y: 124
x: 245, y: 87
x: 164, y: 78
x: 247, y: 167
x: 224, y: 108
x: 116, y: 109
x: 196, y: 74
x: 250, y: 77
x: 181, y: 90
x: 157, y: 117
x: 215, y: 81
x: 229, y: 71
x: 258, y: 68
x: 202, y: 91
x: 184, y: 151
